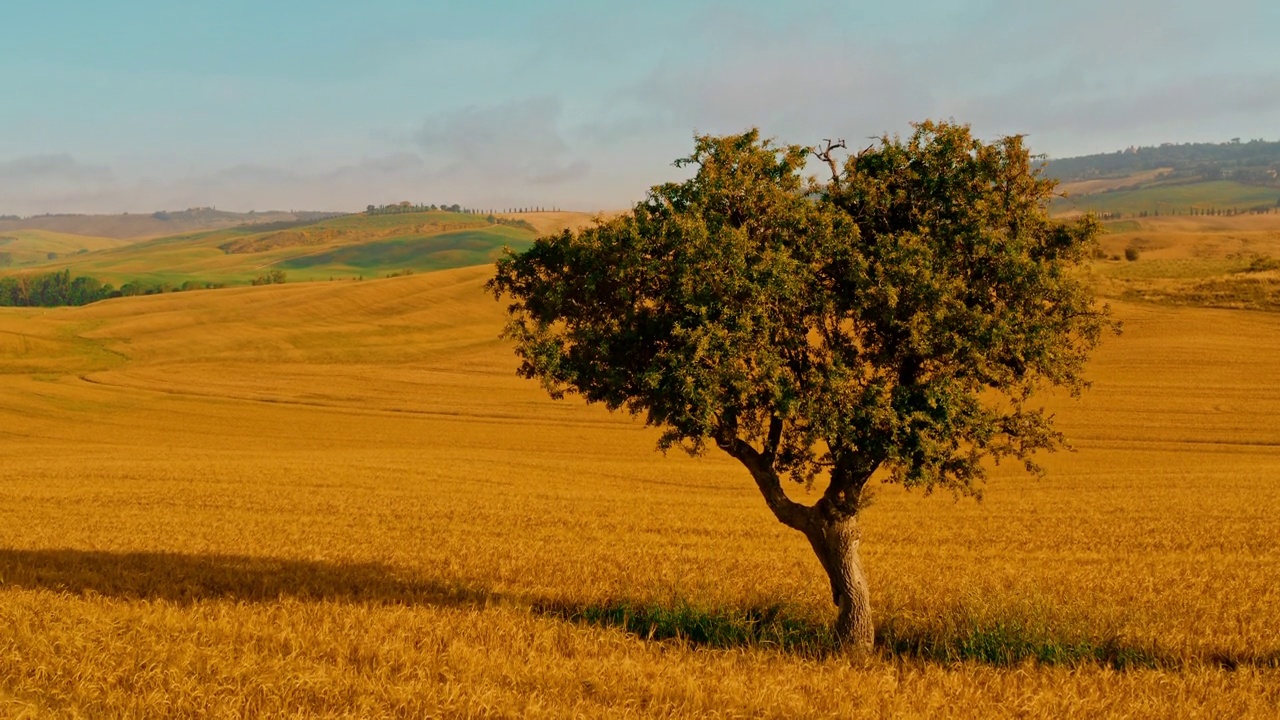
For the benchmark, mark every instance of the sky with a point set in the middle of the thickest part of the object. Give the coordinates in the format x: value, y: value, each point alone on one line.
x: 143, y: 105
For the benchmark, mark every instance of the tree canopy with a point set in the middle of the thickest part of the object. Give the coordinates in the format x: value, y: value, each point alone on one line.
x: 899, y: 315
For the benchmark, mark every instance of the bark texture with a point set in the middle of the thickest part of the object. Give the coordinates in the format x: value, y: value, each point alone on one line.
x: 832, y: 529
x: 835, y: 538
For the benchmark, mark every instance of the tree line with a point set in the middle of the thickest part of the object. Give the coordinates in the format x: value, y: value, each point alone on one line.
x: 52, y: 289
x: 58, y: 289
x: 1193, y: 211
x: 408, y: 207
x: 1256, y: 162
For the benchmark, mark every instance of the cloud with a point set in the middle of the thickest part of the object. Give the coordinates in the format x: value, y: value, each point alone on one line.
x: 60, y: 184
x: 1073, y: 76
x: 31, y: 186
x: 1088, y: 76
x: 509, y: 143
x: 50, y: 172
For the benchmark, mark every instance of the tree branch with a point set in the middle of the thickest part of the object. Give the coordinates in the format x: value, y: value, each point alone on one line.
x: 789, y: 513
x: 775, y: 438
x: 825, y: 155
x: 849, y: 475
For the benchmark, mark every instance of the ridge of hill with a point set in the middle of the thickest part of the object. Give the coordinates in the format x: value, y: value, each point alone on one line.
x: 128, y: 226
x: 1256, y: 162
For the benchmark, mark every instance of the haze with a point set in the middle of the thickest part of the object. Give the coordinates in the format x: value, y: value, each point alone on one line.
x: 141, y: 105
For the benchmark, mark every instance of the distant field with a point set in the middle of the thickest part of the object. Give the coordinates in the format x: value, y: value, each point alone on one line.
x: 347, y: 247
x: 555, y: 221
x: 1225, y: 262
x: 1168, y: 199
x: 31, y: 247
x: 1085, y: 187
x: 338, y: 499
x: 459, y: 248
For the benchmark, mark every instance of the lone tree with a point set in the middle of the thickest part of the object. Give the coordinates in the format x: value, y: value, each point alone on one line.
x: 894, y: 319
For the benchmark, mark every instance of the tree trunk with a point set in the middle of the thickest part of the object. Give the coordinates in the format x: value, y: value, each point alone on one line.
x: 832, y: 528
x: 835, y: 538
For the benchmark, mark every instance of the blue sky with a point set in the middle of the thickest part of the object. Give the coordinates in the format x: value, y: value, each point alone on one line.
x: 138, y: 105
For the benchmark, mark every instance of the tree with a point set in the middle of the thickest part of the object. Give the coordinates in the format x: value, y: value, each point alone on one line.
x: 273, y: 277
x: 891, y: 323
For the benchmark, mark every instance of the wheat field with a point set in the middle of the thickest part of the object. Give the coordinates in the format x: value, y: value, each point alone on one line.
x: 337, y: 499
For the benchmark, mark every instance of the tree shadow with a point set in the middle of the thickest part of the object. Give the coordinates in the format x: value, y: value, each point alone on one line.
x: 1015, y: 639
x: 184, y: 579
x: 187, y: 579
x: 772, y: 626
x: 1000, y: 641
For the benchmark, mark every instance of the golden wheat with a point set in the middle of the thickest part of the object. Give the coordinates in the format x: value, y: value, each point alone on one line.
x: 338, y: 500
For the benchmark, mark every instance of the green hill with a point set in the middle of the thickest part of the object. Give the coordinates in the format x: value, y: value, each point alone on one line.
x: 1183, y: 179
x: 343, y: 247
x: 33, y: 247
x: 1256, y: 162
x: 1209, y: 197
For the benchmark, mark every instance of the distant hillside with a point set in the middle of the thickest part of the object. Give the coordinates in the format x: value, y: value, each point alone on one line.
x: 547, y: 222
x: 29, y: 247
x: 350, y: 246
x: 1256, y: 162
x: 157, y: 224
x: 1229, y: 178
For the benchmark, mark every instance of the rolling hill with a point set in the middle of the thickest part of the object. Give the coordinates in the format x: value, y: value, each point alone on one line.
x: 351, y: 246
x: 131, y: 226
x: 1172, y: 179
x: 1146, y: 195
x: 31, y: 247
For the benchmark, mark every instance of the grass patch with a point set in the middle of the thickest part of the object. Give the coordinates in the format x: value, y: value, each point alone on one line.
x: 1238, y: 292
x: 1013, y: 641
x: 948, y: 639
x: 432, y: 252
x: 720, y: 628
x: 1121, y: 226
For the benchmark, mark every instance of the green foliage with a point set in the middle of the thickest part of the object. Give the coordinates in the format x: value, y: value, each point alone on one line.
x: 1262, y: 263
x: 408, y: 207
x: 1131, y: 254
x: 514, y: 222
x: 899, y: 316
x: 273, y: 277
x: 51, y: 290
x: 682, y: 622
x: 1017, y: 641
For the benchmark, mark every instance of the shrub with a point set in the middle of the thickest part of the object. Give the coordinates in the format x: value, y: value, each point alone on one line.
x: 1131, y: 254
x: 275, y: 277
x: 1262, y: 263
